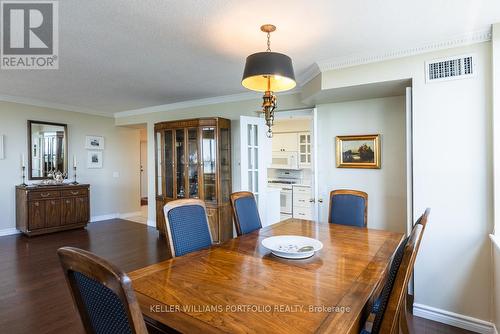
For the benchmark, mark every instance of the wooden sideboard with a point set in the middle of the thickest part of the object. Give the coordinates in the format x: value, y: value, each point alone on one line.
x: 45, y: 209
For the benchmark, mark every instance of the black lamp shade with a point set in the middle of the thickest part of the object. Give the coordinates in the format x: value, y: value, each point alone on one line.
x: 268, y: 71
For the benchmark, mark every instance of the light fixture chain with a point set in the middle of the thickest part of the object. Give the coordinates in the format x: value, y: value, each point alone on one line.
x: 268, y: 42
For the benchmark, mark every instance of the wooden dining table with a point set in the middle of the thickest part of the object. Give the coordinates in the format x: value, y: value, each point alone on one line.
x: 240, y: 287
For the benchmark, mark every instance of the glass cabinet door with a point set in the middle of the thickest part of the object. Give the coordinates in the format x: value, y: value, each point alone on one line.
x: 180, y: 164
x: 305, y: 149
x: 169, y: 164
x: 193, y: 162
x: 159, y: 183
x: 225, y: 163
x: 209, y: 160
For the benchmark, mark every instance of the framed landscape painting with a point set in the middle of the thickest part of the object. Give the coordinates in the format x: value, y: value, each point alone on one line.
x: 358, y: 151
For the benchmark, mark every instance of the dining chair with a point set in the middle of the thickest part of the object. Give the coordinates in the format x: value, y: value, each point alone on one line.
x: 187, y: 226
x: 102, y: 293
x: 348, y: 207
x: 389, y: 312
x: 245, y: 213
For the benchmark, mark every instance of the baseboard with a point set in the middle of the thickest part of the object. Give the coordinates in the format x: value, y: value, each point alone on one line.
x: 8, y: 231
x: 151, y: 223
x: 453, y: 319
x: 129, y: 214
x: 103, y: 217
x: 115, y: 216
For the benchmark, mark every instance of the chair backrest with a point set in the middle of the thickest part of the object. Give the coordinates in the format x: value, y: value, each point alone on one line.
x: 348, y: 207
x: 245, y: 213
x: 187, y: 226
x: 389, y: 320
x: 102, y: 293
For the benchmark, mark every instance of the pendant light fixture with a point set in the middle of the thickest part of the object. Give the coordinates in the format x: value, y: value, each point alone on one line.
x: 268, y: 72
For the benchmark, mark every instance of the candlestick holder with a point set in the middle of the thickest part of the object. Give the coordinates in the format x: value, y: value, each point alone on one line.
x: 24, y: 176
x: 74, y: 176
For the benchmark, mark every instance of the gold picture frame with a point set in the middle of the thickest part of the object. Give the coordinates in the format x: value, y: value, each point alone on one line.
x: 360, y: 151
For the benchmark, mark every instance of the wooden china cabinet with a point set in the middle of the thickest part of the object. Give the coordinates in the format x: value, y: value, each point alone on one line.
x: 193, y: 160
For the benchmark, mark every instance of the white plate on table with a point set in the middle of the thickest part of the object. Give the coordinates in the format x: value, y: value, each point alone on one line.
x: 287, y: 246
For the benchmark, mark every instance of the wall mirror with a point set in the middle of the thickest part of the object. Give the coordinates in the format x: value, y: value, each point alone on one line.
x: 48, y: 149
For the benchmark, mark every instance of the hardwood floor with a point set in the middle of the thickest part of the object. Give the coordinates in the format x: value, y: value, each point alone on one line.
x: 34, y: 297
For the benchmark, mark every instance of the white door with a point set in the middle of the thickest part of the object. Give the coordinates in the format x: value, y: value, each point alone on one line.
x: 409, y: 171
x: 144, y: 169
x: 255, y: 157
x: 409, y: 160
x: 316, y: 199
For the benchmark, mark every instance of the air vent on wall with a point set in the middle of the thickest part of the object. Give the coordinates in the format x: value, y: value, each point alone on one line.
x: 459, y: 67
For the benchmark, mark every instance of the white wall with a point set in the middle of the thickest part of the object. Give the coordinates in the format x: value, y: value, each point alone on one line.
x: 386, y: 187
x: 292, y: 125
x: 452, y: 175
x: 121, y: 154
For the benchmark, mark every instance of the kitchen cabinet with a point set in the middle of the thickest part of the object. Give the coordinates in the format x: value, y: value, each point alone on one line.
x: 302, y: 207
x: 299, y: 142
x: 304, y: 149
x: 285, y: 142
x: 193, y: 160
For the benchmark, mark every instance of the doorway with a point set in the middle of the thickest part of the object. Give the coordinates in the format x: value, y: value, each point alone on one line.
x: 144, y: 174
x: 144, y: 171
x: 142, y: 215
x: 291, y: 170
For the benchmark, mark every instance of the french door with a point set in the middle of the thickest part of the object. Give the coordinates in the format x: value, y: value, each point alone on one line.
x: 255, y: 157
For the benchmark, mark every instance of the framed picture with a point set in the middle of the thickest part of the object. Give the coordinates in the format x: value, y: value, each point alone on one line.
x: 94, y: 142
x: 94, y: 159
x: 358, y: 151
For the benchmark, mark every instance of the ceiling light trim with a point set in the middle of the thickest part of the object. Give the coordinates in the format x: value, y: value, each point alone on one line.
x: 355, y: 60
x: 51, y: 105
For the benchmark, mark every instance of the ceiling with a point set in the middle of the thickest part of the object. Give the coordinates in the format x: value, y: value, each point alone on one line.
x: 360, y: 92
x: 118, y: 55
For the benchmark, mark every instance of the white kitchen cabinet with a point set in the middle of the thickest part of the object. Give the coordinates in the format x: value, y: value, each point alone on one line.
x: 304, y: 149
x: 285, y: 142
x: 302, y: 207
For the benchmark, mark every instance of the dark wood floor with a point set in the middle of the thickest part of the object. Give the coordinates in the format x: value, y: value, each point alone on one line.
x: 34, y: 297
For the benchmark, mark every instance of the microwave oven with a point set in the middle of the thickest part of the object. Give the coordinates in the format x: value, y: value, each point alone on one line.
x: 285, y: 160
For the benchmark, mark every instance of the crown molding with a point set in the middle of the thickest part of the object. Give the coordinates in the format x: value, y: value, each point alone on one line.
x: 360, y: 59
x: 196, y: 103
x: 187, y: 104
x: 309, y: 74
x: 50, y: 105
